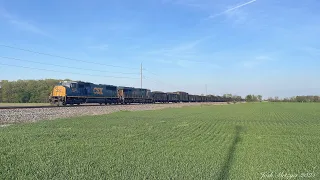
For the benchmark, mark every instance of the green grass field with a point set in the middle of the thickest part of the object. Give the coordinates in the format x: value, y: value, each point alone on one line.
x: 242, y: 141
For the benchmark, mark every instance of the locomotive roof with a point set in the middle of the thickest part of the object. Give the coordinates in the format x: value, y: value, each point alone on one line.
x: 123, y: 87
x: 82, y: 82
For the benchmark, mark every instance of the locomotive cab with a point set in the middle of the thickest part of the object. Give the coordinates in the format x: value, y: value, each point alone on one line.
x: 59, y: 93
x: 69, y: 92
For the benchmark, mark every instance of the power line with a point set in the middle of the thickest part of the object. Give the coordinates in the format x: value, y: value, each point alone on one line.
x: 61, y: 57
x: 16, y: 59
x: 159, y: 81
x: 66, y: 72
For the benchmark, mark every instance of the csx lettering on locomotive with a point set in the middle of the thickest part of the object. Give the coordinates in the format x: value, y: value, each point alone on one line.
x: 98, y: 91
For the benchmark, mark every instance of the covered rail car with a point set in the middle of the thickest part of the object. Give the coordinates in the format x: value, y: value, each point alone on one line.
x: 183, y: 96
x: 128, y: 95
x: 173, y: 97
x: 192, y: 98
x: 159, y: 97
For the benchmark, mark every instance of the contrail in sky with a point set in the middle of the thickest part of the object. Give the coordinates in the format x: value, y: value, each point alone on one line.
x: 231, y: 9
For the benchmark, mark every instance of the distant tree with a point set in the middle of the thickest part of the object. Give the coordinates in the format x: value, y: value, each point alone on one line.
x: 253, y: 98
x: 293, y: 99
x: 300, y: 99
x: 249, y: 98
x: 236, y: 98
x: 227, y: 95
x: 259, y: 97
x: 270, y: 99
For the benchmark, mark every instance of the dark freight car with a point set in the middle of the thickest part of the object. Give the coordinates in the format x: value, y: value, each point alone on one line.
x: 134, y: 95
x: 210, y: 98
x: 192, y: 98
x: 215, y: 99
x: 173, y: 97
x: 220, y: 99
x: 198, y: 98
x: 203, y: 98
x: 183, y: 96
x: 160, y: 97
x: 148, y: 97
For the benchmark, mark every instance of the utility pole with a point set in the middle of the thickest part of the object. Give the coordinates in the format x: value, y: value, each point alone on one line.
x: 141, y: 75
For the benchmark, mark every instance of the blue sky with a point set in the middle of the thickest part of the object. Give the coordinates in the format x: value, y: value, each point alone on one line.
x: 267, y: 47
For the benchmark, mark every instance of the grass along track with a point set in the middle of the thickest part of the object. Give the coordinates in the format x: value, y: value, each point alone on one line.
x: 243, y: 141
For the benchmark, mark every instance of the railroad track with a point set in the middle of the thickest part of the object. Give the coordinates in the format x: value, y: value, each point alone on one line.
x: 88, y: 105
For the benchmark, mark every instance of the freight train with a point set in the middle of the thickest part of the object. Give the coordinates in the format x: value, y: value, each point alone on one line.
x: 78, y: 92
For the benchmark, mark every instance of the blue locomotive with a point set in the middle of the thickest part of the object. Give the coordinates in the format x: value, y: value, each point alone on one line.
x: 83, y: 92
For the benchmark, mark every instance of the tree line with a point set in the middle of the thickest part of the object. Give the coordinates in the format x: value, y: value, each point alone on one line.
x: 26, y: 91
x: 295, y: 99
x: 253, y: 98
x: 258, y: 98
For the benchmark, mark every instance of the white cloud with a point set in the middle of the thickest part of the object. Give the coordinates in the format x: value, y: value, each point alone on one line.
x: 237, y: 16
x: 20, y: 23
x: 232, y: 9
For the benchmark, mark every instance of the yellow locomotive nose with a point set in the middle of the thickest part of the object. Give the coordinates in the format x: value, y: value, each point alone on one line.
x: 59, y: 91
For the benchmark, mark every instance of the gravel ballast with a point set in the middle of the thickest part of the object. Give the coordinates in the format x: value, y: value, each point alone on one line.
x: 9, y: 116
